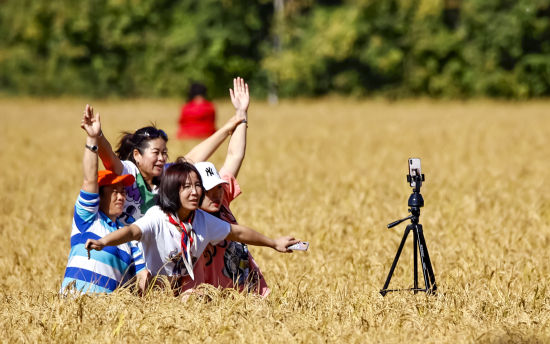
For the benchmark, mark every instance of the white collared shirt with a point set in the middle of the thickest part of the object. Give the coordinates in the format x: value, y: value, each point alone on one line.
x: 161, y: 240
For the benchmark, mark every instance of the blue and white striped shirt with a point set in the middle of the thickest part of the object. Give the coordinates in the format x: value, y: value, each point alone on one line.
x: 106, y: 269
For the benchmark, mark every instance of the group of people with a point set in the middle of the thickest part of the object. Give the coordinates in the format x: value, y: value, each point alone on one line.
x: 143, y: 217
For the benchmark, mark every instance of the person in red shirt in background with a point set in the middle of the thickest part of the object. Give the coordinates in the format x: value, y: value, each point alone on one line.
x: 198, y: 116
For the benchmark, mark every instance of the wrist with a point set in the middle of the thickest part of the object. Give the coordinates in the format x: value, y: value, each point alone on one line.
x: 229, y: 127
x: 91, y: 144
x: 91, y: 140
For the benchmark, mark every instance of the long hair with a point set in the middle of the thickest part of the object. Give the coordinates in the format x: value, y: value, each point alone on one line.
x: 138, y: 140
x: 172, y: 179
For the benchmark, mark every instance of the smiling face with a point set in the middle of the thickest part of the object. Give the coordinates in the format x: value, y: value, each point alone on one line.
x: 151, y: 161
x: 111, y: 200
x: 213, y: 199
x: 190, y: 194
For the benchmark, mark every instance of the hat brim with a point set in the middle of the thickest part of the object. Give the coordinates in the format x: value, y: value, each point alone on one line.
x: 126, y: 180
x: 215, y: 183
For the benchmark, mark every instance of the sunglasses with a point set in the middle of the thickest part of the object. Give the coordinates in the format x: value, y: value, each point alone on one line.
x: 153, y: 133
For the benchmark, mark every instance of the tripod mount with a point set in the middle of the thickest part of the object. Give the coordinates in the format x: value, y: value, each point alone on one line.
x: 416, y: 201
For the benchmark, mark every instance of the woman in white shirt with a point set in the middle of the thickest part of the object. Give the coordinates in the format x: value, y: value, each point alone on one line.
x: 175, y: 232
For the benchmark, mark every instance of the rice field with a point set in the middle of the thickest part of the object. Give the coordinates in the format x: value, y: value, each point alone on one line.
x: 329, y: 171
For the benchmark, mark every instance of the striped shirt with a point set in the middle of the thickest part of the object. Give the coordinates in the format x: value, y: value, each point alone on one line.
x: 106, y: 269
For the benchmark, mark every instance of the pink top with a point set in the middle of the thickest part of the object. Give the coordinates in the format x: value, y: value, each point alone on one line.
x: 219, y: 264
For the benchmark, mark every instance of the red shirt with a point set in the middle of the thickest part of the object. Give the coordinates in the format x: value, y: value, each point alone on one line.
x: 197, y: 120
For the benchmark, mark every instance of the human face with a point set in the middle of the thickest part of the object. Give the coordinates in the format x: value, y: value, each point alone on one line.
x: 190, y: 194
x: 111, y: 200
x: 151, y: 162
x: 213, y: 199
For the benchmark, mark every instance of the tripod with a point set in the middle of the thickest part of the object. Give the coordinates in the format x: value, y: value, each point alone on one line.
x: 416, y: 201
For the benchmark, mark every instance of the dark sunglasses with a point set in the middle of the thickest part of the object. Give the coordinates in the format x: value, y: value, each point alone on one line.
x: 153, y: 133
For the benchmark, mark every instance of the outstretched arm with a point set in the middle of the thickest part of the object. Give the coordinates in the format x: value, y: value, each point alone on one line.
x: 92, y: 127
x: 108, y: 157
x: 120, y: 236
x: 240, y: 98
x: 249, y: 236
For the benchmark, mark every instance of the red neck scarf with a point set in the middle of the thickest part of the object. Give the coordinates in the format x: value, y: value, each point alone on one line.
x: 187, y: 239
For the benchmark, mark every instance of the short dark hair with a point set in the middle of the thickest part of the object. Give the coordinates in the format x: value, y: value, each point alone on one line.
x: 172, y: 179
x: 196, y: 89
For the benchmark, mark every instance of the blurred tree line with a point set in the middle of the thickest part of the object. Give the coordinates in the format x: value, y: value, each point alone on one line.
x: 398, y: 48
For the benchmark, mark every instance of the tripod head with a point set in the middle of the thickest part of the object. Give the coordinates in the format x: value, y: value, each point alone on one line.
x: 416, y: 201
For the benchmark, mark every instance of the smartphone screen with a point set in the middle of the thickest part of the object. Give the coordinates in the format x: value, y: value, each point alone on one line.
x: 414, y: 169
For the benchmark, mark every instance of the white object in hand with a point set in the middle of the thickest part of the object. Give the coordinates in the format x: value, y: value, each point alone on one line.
x: 299, y: 246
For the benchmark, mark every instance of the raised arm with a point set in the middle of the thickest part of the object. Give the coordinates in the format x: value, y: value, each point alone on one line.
x: 249, y: 236
x: 120, y: 236
x: 240, y: 98
x: 206, y: 148
x: 106, y: 154
x: 92, y: 126
x: 108, y: 157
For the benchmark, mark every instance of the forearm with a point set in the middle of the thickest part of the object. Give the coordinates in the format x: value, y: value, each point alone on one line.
x: 236, y: 149
x: 206, y: 148
x: 110, y: 160
x: 121, y: 236
x: 89, y: 165
x: 249, y: 236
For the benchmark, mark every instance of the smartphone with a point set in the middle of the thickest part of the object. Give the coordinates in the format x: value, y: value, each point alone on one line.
x: 414, y: 169
x: 299, y: 246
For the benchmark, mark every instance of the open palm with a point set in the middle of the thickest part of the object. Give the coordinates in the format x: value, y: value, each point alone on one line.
x: 91, y: 122
x: 239, y: 94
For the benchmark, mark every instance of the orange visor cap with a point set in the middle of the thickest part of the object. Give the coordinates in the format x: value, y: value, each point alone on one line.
x: 107, y: 177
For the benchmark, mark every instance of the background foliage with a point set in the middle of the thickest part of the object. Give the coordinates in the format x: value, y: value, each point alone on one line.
x: 439, y: 48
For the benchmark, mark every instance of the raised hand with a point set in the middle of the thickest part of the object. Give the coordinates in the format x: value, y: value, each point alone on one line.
x: 240, y: 96
x: 91, y: 123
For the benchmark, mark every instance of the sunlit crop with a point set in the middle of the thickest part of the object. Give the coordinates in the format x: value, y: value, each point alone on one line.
x: 331, y: 172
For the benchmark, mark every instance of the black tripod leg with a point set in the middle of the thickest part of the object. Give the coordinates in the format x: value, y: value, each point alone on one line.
x: 415, y: 259
x: 395, y: 260
x: 428, y: 271
x: 422, y: 249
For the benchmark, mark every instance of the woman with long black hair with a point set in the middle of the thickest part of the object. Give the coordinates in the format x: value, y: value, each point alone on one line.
x: 144, y: 155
